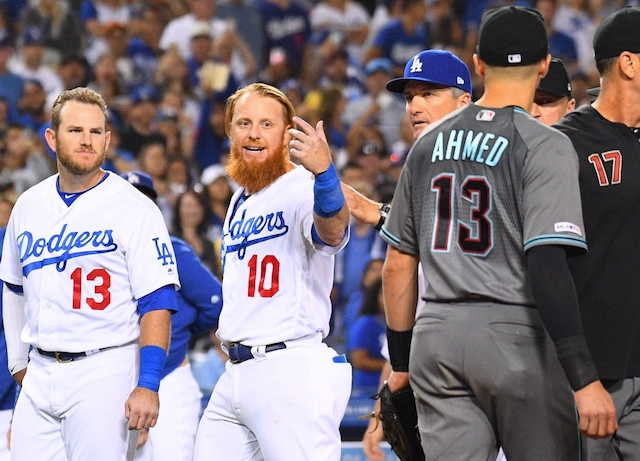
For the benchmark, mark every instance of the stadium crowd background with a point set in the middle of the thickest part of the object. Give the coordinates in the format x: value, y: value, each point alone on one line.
x: 165, y: 68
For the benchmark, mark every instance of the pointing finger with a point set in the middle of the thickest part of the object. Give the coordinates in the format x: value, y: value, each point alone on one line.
x: 304, y: 126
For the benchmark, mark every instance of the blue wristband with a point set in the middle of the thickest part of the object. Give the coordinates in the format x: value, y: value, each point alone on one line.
x: 151, y: 364
x: 328, y: 198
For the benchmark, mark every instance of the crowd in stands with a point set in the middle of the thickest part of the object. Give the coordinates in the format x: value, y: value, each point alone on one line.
x: 165, y: 68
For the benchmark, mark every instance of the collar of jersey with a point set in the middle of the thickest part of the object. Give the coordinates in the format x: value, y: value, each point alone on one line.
x: 69, y: 198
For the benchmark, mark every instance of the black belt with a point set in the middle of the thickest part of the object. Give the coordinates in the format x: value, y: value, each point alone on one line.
x: 64, y: 357
x: 239, y: 353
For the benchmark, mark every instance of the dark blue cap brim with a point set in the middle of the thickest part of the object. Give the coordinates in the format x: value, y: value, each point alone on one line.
x: 397, y: 84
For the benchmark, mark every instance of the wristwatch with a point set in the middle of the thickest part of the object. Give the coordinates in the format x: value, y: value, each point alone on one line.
x: 384, y: 209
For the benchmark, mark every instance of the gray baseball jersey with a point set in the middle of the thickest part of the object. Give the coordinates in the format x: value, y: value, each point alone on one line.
x: 478, y: 189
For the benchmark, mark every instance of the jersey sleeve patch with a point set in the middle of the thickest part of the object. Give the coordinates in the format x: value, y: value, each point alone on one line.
x: 567, y: 227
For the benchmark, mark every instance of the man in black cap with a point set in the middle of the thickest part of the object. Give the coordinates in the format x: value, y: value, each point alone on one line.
x: 489, y: 203
x: 553, y: 99
x: 605, y: 136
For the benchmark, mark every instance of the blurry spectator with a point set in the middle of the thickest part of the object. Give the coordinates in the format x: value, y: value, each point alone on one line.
x: 29, y: 64
x: 116, y: 38
x: 209, y: 364
x: 243, y: 16
x: 574, y: 19
x: 280, y: 68
x: 6, y: 205
x: 372, y: 274
x: 365, y: 339
x: 445, y: 26
x: 346, y: 18
x: 561, y: 45
x: 153, y: 160
x: 385, y: 10
x: 286, y: 30
x: 74, y: 71
x: 336, y: 70
x: 190, y: 223
x: 403, y: 37
x: 25, y: 163
x: 371, y: 156
x: 139, y: 126
x: 352, y: 260
x: 60, y: 25
x: 352, y: 174
x: 330, y: 110
x: 4, y: 114
x: 187, y: 110
x: 107, y: 82
x: 230, y: 49
x: 166, y: 123
x: 144, y: 41
x: 96, y: 15
x: 378, y: 107
x: 117, y: 159
x: 295, y: 91
x: 177, y: 32
x: 219, y: 191
x: 210, y: 134
x: 172, y: 76
x: 178, y: 175
x: 10, y: 83
x: 32, y: 109
x: 201, y: 46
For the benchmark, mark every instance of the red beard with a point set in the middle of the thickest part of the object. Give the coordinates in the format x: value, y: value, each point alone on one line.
x: 255, y: 176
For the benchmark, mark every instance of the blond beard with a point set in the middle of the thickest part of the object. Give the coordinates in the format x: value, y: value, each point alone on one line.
x: 255, y: 176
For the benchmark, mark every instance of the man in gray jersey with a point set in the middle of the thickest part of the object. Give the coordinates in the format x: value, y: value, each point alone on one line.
x: 498, y: 347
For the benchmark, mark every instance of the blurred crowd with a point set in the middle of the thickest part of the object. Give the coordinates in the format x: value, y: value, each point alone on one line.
x: 165, y: 68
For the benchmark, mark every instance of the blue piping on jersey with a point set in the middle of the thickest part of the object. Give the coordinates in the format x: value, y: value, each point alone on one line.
x: 555, y: 239
x: 389, y: 237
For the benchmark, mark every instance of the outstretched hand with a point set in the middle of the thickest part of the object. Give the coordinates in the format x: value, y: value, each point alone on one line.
x: 309, y: 145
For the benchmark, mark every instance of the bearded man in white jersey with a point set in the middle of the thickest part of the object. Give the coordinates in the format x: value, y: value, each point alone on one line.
x: 90, y: 279
x: 284, y: 391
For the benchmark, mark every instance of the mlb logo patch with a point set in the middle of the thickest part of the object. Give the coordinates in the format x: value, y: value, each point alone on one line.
x: 567, y: 227
x: 460, y: 80
x: 485, y: 115
x: 514, y: 58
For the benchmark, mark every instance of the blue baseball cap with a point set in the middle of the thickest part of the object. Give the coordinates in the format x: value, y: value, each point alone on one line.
x: 434, y: 66
x: 142, y: 181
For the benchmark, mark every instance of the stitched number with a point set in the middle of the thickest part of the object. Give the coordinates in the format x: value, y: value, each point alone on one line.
x: 475, y: 237
x: 103, y: 298
x: 268, y: 265
x: 613, y: 156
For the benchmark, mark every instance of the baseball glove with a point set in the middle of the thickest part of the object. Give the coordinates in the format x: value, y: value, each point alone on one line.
x: 400, y: 423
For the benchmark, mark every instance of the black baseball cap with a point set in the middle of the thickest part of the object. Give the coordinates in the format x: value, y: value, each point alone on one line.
x: 617, y: 33
x: 512, y: 36
x: 557, y: 81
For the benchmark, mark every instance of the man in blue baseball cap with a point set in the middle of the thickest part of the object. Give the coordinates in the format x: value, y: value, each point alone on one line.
x: 435, y: 83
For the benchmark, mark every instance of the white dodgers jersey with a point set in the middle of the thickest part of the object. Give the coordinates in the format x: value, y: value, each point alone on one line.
x: 277, y: 281
x: 83, y: 266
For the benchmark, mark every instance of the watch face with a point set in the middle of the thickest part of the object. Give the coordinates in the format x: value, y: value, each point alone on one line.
x: 384, y: 209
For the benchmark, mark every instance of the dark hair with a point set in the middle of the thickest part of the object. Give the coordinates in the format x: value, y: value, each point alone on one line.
x: 370, y: 304
x: 176, y: 224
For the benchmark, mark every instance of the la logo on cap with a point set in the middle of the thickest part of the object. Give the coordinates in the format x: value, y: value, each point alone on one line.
x: 416, y: 65
x: 514, y: 58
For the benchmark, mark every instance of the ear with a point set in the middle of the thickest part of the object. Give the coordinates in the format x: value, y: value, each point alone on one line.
x: 478, y: 65
x: 50, y: 136
x: 463, y: 100
x: 628, y: 64
x: 544, y: 66
x: 571, y: 104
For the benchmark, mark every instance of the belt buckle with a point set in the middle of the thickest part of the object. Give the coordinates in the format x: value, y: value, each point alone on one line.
x: 57, y: 356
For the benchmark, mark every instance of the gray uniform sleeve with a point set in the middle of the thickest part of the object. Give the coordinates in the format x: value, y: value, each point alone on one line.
x: 399, y: 228
x: 552, y: 208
